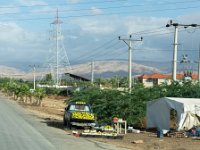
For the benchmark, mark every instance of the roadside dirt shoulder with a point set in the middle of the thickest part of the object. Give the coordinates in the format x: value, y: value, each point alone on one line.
x: 52, y: 112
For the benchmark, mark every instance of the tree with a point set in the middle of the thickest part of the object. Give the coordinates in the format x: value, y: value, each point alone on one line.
x: 48, y: 79
x: 39, y: 94
x: 24, y: 91
x: 108, y: 104
x: 11, y: 88
x: 123, y: 82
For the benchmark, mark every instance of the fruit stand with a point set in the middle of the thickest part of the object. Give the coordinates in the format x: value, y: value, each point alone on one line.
x: 118, y: 124
x: 100, y: 134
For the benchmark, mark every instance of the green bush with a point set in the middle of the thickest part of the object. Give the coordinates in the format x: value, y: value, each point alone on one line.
x: 132, y: 106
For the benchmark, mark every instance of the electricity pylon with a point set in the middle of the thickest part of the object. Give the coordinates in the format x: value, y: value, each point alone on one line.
x: 58, y: 61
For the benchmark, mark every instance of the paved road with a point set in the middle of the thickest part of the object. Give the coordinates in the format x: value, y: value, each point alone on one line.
x: 20, y: 130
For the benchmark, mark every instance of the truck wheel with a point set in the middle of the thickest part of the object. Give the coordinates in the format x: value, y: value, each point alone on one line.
x: 68, y: 125
x: 64, y: 121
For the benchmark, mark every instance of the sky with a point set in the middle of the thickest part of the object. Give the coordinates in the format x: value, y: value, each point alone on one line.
x: 90, y: 30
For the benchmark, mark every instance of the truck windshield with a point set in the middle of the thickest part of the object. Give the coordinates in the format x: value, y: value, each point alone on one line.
x: 76, y: 107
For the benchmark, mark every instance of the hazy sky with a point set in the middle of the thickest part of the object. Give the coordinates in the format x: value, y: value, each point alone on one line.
x: 91, y: 29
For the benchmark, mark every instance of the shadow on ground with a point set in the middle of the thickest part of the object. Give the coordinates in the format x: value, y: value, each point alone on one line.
x: 53, y: 123
x: 59, y: 124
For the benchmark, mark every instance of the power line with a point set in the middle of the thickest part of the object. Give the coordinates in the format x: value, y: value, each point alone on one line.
x: 115, y: 55
x: 113, y: 52
x: 101, y: 8
x: 61, y: 4
x: 95, y: 50
x: 99, y: 48
x: 149, y: 30
x: 124, y: 6
x: 98, y: 54
x: 106, y: 14
x: 168, y: 50
x: 159, y: 34
x: 110, y: 46
x: 107, y: 54
x: 101, y: 2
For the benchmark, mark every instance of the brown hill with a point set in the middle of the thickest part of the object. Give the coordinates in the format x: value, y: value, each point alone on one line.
x: 101, y: 69
x: 10, y: 72
x: 110, y: 68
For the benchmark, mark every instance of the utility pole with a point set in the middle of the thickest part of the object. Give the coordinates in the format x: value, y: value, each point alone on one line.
x: 129, y: 42
x: 199, y: 65
x: 92, y: 72
x: 175, y: 52
x: 176, y: 25
x: 34, y: 77
x: 57, y: 73
x: 34, y: 70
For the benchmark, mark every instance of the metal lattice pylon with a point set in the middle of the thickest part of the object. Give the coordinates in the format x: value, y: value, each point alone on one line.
x: 57, y: 62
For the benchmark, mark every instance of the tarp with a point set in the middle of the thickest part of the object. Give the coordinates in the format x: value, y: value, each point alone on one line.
x: 158, y: 112
x: 190, y: 121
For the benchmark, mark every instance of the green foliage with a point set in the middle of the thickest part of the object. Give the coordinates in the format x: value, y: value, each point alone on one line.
x: 52, y: 91
x: 115, y: 82
x: 132, y: 106
x: 39, y: 93
x: 48, y: 79
x: 20, y: 90
x: 108, y: 104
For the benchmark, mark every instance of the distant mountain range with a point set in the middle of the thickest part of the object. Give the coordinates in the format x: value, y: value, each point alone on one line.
x: 11, y: 72
x: 104, y: 69
x: 111, y: 68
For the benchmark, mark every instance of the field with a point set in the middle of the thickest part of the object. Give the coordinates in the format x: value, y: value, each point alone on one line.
x: 52, y: 112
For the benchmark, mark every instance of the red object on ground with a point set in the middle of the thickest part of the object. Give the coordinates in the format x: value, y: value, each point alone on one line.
x: 115, y: 120
x: 77, y: 134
